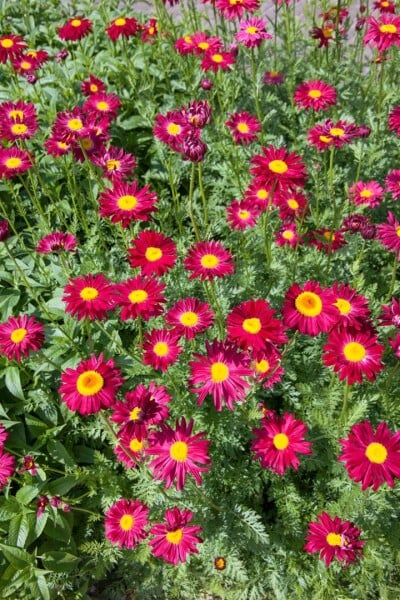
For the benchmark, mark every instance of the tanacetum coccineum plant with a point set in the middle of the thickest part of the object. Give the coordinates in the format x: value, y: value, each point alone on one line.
x: 199, y: 300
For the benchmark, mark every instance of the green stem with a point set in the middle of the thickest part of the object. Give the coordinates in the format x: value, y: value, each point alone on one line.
x: 190, y: 204
x: 255, y: 87
x: 203, y: 197
x: 393, y: 278
x: 346, y: 396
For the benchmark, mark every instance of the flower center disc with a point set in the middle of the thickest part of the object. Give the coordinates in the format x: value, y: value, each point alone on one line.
x: 76, y: 23
x: 281, y: 441
x: 315, y: 94
x: 242, y: 127
x: 134, y: 415
x: 179, y: 451
x: 126, y: 522
x: 334, y: 539
x: 336, y: 131
x: 366, y: 194
x: 288, y: 234
x: 376, y: 453
x: 252, y: 30
x: 209, y: 261
x: 136, y: 445
x: 102, y: 105
x: 127, y: 202
x: 13, y: 162
x: 174, y: 129
x: 308, y: 304
x: 120, y: 22
x: 343, y: 306
x: 262, y: 366
x: 138, y: 296
x: 89, y: 383
x: 354, y: 352
x: 7, y: 43
x: 388, y: 28
x: 252, y: 325
x: 244, y: 215
x: 18, y: 128
x: 89, y: 293
x: 278, y: 166
x: 112, y: 165
x: 161, y: 349
x: 293, y: 204
x: 174, y: 537
x: 189, y: 319
x: 219, y: 372
x: 262, y: 194
x: 75, y: 124
x: 18, y: 335
x: 152, y: 253
x: 217, y: 58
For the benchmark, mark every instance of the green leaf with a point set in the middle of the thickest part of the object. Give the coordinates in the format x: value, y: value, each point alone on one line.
x: 17, y: 557
x: 18, y: 530
x: 58, y: 451
x: 26, y: 494
x: 62, y: 486
x: 13, y: 382
x: 42, y: 585
x: 59, y: 529
x: 61, y: 562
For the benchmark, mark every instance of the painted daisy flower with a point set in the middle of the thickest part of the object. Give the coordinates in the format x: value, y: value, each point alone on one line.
x: 19, y: 336
x: 242, y: 214
x: 56, y: 242
x: 149, y: 30
x: 203, y: 43
x: 258, y: 193
x: 334, y: 538
x: 11, y: 46
x: 174, y: 539
x: 7, y: 467
x: 309, y: 308
x: 18, y: 120
x: 280, y: 167
x: 4, y: 230
x: 395, y: 344
x: 14, y: 161
x: 392, y: 183
x: 272, y: 78
x: 104, y: 104
x: 394, y: 120
x: 252, y: 324
x: 92, y: 85
x: 323, y: 34
x: 383, y: 33
x: 161, y: 348
x: 137, y: 412
x: 221, y: 374
x: 197, y: 113
x: 215, y: 61
x: 75, y: 29
x: 319, y: 137
x: 234, y: 9
x: 185, y: 45
x: 153, y: 252
x: 25, y: 65
x: 244, y: 127
x: 326, y: 239
x: 252, y: 32
x: 279, y: 441
x: 385, y: 6
x: 389, y: 234
x: 39, y: 56
x: 126, y: 202
x: 56, y: 147
x: 3, y: 435
x: 140, y: 297
x: 122, y: 26
x: 368, y: 193
x: 172, y: 129
x: 267, y: 366
x: 189, y: 317
x: 115, y: 163
x: 352, y: 307
x: 125, y: 523
x: 316, y: 95
x: 288, y: 235
x: 130, y: 450
x: 372, y: 457
x: 89, y: 297
x: 291, y: 205
x: 390, y: 315
x: 71, y: 125
x: 353, y: 354
x: 93, y: 385
x: 207, y: 260
x: 178, y: 453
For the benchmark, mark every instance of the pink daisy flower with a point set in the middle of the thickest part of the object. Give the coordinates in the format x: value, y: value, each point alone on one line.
x: 138, y: 411
x: 316, y: 95
x: 326, y: 240
x: 161, y: 348
x: 92, y: 85
x: 140, y: 297
x: 235, y: 10
x: 202, y: 43
x: 153, y: 252
x: 372, y: 457
x: 279, y: 441
x: 389, y: 234
x: 11, y: 46
x: 390, y: 315
x: 252, y: 32
x: 130, y: 450
x: 392, y: 183
x: 244, y: 127
x: 122, y: 27
x: 242, y: 214
x: 75, y: 29
x: 309, y: 308
x: 385, y: 6
x: 221, y: 374
x: 93, y: 385
x: 352, y: 307
x: 115, y: 163
x: 395, y: 344
x: 258, y: 193
x: 125, y: 523
x: 272, y: 78
x: 103, y: 104
x: 288, y: 236
x: 174, y: 540
x: 394, y: 120
x: 7, y: 467
x: 56, y: 242
x: 334, y: 538
x: 368, y: 193
x: 280, y: 167
x: 353, y: 354
x: 267, y: 366
x: 215, y: 61
x: 383, y: 33
x: 172, y: 129
x: 19, y: 336
x: 14, y: 161
x: 126, y: 202
x: 292, y: 205
x: 178, y: 453
x: 207, y: 260
x: 189, y: 317
x: 89, y: 297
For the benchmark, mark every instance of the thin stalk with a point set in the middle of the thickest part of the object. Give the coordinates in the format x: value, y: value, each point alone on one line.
x: 393, y: 278
x: 203, y: 197
x: 190, y: 203
x: 346, y: 395
x: 255, y: 86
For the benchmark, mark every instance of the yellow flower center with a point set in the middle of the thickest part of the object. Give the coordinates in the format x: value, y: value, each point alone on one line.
x: 152, y: 253
x: 273, y: 73
x: 179, y: 451
x: 174, y: 537
x: 102, y: 105
x: 138, y: 296
x: 354, y: 352
x: 262, y: 194
x: 76, y: 22
x: 398, y: 231
x: 188, y: 39
x: 293, y: 204
x: 278, y: 166
x: 388, y: 28
x: 242, y: 127
x: 308, y: 304
x: 136, y: 445
x: 18, y: 128
x: 336, y: 131
x: 209, y: 261
x: 18, y: 335
x: 281, y: 441
x: 75, y: 124
x: 25, y: 65
x: 7, y: 43
x: 127, y: 202
x: 262, y: 366
x: 366, y: 194
x: 288, y: 234
x: 376, y: 453
x: 384, y: 4
x: 13, y: 162
x: 244, y: 215
x: 217, y: 58
x: 329, y: 235
x: 252, y: 30
x: 315, y: 93
x: 327, y: 32
x: 120, y: 22
x: 174, y: 129
x: 343, y: 306
x: 334, y: 539
x: 93, y: 88
x: 113, y: 165
x: 252, y: 325
x: 134, y: 415
x: 89, y: 383
x: 219, y: 372
x: 203, y: 45
x: 89, y: 293
x: 62, y: 145
x: 126, y: 522
x: 16, y: 114
x: 87, y: 143
x: 189, y: 319
x: 325, y: 139
x: 161, y: 349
